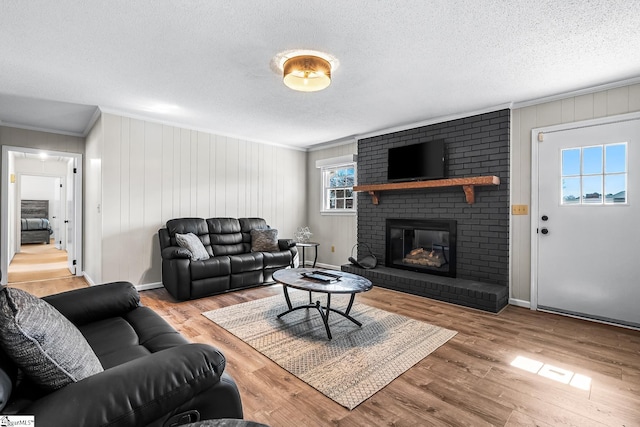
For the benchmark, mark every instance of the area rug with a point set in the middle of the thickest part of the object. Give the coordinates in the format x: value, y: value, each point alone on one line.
x: 350, y: 368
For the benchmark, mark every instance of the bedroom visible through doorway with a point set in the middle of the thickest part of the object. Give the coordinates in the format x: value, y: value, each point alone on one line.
x: 41, y: 227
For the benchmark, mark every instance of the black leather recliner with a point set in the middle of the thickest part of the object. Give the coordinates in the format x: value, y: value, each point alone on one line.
x: 152, y: 375
x: 231, y: 265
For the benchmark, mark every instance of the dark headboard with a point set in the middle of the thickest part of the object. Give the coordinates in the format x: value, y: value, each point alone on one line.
x: 35, y: 209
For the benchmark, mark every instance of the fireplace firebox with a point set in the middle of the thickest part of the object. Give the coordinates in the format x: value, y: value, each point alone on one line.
x: 426, y: 245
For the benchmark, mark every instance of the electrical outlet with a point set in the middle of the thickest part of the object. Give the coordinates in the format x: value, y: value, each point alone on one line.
x: 333, y: 248
x: 520, y: 209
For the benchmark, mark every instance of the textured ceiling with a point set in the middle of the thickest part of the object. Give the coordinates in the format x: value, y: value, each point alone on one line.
x: 207, y: 64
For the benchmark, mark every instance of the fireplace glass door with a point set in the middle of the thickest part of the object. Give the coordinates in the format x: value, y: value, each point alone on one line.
x: 427, y: 246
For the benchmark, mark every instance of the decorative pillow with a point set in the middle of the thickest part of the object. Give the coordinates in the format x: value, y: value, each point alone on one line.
x: 193, y: 243
x: 42, y: 342
x: 264, y: 240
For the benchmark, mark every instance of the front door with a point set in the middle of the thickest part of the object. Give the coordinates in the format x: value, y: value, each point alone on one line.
x: 588, y: 222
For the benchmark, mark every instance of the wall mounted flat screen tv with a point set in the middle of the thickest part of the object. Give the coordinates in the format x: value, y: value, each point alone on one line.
x: 417, y: 162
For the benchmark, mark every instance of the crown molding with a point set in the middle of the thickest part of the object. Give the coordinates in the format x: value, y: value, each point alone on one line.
x: 108, y: 110
x: 574, y: 93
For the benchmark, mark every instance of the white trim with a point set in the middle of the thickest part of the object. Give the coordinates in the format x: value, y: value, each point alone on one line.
x: 39, y: 129
x: 309, y: 264
x: 575, y: 316
x: 149, y: 286
x: 331, y: 144
x: 579, y: 92
x: 89, y: 279
x: 120, y: 113
x: 4, y: 205
x: 534, y: 183
x: 331, y: 165
x: 337, y: 161
x: 519, y: 303
x: 340, y: 212
x: 92, y: 121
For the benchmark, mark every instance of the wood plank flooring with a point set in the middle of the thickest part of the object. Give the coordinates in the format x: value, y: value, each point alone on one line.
x: 38, y: 262
x: 469, y: 381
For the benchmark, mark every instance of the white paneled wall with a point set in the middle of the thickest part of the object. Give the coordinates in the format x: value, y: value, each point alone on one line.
x: 605, y: 103
x: 92, y: 227
x: 339, y: 231
x: 151, y: 173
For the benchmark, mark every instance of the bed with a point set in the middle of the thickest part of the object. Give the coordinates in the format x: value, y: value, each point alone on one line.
x: 34, y: 222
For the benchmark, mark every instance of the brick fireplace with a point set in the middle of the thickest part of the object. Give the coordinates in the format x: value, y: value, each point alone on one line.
x: 474, y: 146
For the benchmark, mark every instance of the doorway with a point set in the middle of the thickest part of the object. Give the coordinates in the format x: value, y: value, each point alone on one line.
x: 60, y: 172
x: 585, y: 205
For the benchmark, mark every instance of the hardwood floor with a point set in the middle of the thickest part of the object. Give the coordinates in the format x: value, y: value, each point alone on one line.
x: 467, y: 381
x: 38, y: 262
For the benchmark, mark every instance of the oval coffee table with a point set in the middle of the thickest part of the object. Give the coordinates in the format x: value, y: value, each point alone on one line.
x: 341, y: 283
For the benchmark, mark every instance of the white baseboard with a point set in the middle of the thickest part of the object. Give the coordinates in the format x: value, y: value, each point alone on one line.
x: 148, y: 286
x: 88, y: 279
x: 519, y: 302
x: 309, y: 264
x: 143, y: 287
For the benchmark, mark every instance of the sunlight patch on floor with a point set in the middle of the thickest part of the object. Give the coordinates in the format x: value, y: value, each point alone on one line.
x: 561, y: 375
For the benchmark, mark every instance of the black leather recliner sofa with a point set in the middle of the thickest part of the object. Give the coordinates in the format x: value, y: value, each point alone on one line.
x: 152, y: 375
x: 231, y: 266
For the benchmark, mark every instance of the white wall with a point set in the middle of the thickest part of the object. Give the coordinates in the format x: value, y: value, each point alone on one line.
x: 92, y: 213
x: 143, y: 174
x: 38, y: 188
x: 339, y: 231
x: 605, y: 103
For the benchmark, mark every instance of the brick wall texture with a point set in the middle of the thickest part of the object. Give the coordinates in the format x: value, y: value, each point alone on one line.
x: 475, y: 146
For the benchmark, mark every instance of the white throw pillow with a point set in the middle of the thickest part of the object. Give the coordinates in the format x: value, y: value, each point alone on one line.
x: 193, y: 243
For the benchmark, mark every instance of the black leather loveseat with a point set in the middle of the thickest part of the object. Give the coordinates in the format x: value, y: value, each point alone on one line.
x: 152, y: 376
x: 231, y: 263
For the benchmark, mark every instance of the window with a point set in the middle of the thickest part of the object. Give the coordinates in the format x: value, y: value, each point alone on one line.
x: 338, y: 176
x: 337, y: 188
x: 595, y: 175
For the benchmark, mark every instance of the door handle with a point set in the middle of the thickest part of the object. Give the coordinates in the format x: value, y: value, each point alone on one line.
x: 544, y: 231
x: 544, y: 217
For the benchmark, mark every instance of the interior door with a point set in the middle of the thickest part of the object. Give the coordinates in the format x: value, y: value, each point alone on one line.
x: 70, y: 217
x: 57, y: 212
x: 587, y: 225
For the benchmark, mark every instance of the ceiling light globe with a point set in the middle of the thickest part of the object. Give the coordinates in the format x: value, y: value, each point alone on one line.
x: 307, y: 73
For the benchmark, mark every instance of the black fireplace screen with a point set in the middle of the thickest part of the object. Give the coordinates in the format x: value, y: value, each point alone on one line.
x: 428, y: 246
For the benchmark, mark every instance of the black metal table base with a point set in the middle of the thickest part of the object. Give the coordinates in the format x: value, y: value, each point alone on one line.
x: 323, y: 310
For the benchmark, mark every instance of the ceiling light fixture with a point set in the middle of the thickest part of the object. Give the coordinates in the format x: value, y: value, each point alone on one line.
x: 307, y: 73
x: 305, y: 70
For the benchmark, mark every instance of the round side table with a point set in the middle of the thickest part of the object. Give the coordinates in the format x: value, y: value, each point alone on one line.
x: 309, y: 245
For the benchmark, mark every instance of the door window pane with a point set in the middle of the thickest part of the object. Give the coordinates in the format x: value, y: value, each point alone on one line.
x: 616, y: 158
x: 592, y: 160
x: 571, y: 162
x: 570, y: 191
x: 615, y: 188
x: 592, y: 189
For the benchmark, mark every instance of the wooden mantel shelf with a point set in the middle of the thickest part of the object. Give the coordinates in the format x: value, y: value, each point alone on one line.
x: 467, y: 185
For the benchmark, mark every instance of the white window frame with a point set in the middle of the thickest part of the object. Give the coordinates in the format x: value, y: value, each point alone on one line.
x: 603, y: 174
x: 327, y: 165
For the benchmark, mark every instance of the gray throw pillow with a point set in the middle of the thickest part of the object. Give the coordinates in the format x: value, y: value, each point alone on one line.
x: 193, y: 243
x: 42, y: 342
x: 264, y: 240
